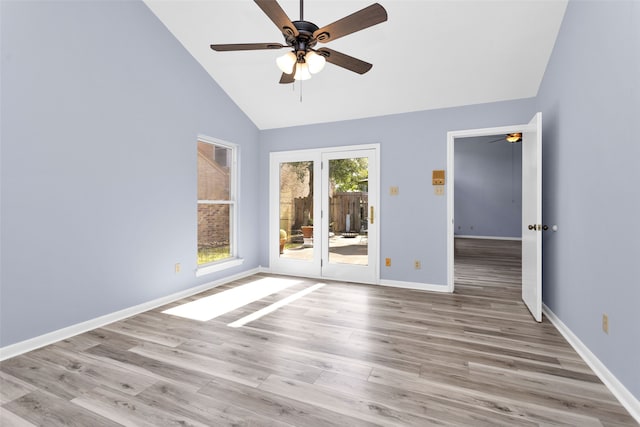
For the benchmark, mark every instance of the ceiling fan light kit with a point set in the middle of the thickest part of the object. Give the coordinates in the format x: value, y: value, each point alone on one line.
x: 302, y: 36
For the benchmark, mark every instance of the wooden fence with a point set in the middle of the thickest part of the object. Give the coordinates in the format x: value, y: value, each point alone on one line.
x: 356, y: 205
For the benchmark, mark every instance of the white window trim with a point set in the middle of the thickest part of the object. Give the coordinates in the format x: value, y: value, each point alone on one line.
x: 218, y: 266
x: 234, y: 260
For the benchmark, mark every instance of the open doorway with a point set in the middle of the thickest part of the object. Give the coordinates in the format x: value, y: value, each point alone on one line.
x: 531, y: 223
x: 488, y: 214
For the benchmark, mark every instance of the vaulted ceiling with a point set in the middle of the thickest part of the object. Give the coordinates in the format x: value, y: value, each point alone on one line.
x: 429, y: 54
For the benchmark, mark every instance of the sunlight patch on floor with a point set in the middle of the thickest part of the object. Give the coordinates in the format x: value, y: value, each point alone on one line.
x: 273, y: 307
x: 212, y: 306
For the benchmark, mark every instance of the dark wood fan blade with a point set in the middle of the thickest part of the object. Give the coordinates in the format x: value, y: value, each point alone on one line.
x: 286, y: 78
x: 345, y: 61
x: 357, y: 21
x: 245, y: 46
x: 273, y: 10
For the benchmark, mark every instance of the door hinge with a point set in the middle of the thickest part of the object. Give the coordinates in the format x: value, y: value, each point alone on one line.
x: 320, y: 263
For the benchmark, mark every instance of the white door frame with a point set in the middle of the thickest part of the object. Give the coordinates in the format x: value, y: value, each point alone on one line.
x: 451, y: 136
x: 315, y: 154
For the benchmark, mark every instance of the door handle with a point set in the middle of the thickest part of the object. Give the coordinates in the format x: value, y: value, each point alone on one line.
x: 371, y: 214
x: 538, y: 227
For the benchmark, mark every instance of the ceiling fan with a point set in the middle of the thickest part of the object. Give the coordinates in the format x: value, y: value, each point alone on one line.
x: 510, y: 137
x: 302, y: 36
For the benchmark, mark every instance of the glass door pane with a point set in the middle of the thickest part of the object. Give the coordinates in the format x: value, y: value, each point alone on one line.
x: 296, y: 210
x: 350, y: 228
x: 348, y: 211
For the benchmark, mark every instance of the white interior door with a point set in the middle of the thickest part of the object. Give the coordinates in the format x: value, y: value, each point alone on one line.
x: 532, y: 216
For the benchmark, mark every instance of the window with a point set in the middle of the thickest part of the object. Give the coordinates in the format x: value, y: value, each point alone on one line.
x: 217, y: 209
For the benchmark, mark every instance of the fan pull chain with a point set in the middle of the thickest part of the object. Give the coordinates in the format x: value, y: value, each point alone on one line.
x: 300, y: 91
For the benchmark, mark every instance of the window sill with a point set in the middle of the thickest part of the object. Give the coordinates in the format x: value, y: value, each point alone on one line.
x: 223, y: 265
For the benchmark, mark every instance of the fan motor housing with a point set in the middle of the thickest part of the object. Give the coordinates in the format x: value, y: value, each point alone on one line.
x: 305, y: 39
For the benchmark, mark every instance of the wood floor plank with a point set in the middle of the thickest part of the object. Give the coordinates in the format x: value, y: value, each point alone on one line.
x: 360, y: 407
x: 12, y: 388
x: 129, y: 410
x: 401, y: 399
x: 9, y: 419
x: 282, y: 408
x: 44, y: 409
x: 344, y: 355
x: 125, y: 380
x: 197, y: 406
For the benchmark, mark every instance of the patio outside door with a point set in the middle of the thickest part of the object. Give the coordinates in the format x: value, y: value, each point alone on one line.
x: 324, y: 213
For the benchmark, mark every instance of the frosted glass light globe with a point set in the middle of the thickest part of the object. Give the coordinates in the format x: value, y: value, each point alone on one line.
x: 302, y: 71
x: 316, y: 62
x: 286, y: 62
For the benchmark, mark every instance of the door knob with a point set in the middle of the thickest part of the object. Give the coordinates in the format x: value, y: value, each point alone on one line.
x: 545, y: 227
x: 531, y: 227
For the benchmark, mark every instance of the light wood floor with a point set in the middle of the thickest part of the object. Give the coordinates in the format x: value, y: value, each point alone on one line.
x: 343, y: 355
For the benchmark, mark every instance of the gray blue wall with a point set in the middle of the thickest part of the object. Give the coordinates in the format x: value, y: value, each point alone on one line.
x: 413, y: 224
x: 488, y: 187
x: 590, y: 103
x: 101, y: 107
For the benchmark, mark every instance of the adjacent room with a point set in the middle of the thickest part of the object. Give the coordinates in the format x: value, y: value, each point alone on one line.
x: 319, y: 213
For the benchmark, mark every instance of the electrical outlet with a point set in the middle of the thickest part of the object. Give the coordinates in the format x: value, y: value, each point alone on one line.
x: 438, y: 190
x: 417, y: 264
x: 394, y: 191
x: 387, y: 262
x: 177, y: 267
x: 605, y: 323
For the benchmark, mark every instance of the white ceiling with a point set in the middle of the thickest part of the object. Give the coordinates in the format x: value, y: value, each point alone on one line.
x: 429, y: 54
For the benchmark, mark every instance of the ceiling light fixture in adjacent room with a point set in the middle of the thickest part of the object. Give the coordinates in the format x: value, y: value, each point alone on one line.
x: 514, y: 137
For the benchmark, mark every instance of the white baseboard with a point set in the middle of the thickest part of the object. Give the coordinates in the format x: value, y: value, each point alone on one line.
x: 64, y: 333
x: 618, y: 389
x: 262, y: 269
x: 414, y: 285
x: 486, y: 237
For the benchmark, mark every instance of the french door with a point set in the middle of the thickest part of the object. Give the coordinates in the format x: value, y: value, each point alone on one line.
x: 323, y: 215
